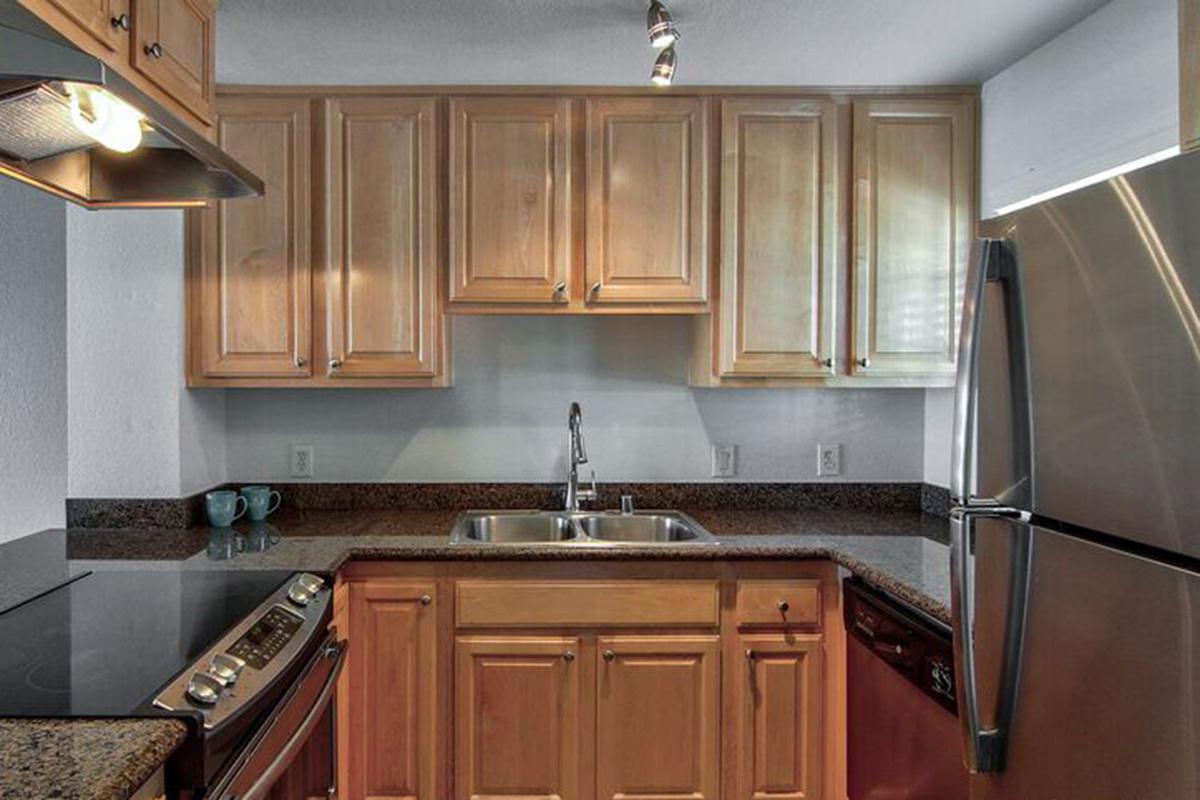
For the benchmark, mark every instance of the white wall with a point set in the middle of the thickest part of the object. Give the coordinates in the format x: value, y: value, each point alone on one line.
x: 1100, y: 95
x: 33, y: 361
x: 939, y: 417
x: 134, y: 430
x: 505, y: 418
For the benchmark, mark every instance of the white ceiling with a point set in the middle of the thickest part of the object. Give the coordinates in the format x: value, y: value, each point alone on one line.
x: 797, y: 42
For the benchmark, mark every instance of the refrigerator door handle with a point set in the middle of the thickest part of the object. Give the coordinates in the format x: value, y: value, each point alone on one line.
x: 984, y: 254
x: 984, y: 747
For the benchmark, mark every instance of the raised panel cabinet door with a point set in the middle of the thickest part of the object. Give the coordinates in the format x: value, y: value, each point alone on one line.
x: 393, y: 689
x: 382, y: 237
x: 106, y: 21
x: 647, y: 200
x: 255, y: 270
x: 518, y: 729
x: 510, y: 199
x: 658, y: 717
x: 779, y: 722
x: 173, y: 46
x: 779, y: 218
x: 914, y: 207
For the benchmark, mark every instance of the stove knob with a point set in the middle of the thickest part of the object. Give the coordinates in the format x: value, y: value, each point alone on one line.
x: 311, y: 583
x: 226, y: 667
x: 205, y: 688
x: 298, y: 594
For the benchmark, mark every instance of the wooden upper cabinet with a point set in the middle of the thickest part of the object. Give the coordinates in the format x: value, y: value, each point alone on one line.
x: 779, y: 234
x: 108, y: 22
x: 518, y: 719
x: 173, y: 46
x: 382, y: 259
x: 914, y: 216
x: 510, y: 199
x: 658, y: 718
x: 780, y: 731
x: 392, y: 692
x: 254, y: 279
x: 647, y: 200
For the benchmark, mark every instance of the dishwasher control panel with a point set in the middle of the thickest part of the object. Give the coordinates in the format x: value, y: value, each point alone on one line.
x: 917, y: 648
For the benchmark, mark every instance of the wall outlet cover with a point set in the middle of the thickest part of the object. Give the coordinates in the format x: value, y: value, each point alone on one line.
x: 829, y: 460
x: 724, y: 460
x: 302, y: 460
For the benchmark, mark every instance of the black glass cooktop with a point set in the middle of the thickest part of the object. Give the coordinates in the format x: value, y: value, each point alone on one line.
x: 105, y: 643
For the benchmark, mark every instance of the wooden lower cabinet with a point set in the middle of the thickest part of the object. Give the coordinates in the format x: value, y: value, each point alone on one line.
x: 392, y: 693
x: 443, y: 703
x: 777, y: 691
x: 658, y: 701
x: 518, y: 718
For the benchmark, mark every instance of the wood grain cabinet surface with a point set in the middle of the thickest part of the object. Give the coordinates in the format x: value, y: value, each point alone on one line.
x: 106, y: 21
x: 914, y: 220
x: 647, y: 200
x: 173, y: 46
x: 510, y: 199
x: 255, y: 272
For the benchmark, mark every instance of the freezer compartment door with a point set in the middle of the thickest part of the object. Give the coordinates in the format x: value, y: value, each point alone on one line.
x: 1107, y: 696
x: 1109, y: 294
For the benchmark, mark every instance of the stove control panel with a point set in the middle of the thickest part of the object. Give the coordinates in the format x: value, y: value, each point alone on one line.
x: 245, y: 661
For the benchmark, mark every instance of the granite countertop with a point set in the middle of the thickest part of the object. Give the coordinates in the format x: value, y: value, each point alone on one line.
x: 95, y: 759
x: 901, y: 552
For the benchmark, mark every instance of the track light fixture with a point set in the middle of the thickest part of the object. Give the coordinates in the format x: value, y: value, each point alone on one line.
x: 660, y: 27
x: 664, y: 68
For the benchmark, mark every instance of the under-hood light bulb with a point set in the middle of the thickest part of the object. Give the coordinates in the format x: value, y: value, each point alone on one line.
x: 110, y: 121
x: 664, y: 68
x: 660, y: 27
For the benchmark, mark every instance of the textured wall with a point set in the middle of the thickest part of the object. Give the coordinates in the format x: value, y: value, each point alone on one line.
x: 33, y: 370
x: 505, y: 418
x: 1102, y: 94
x: 939, y: 417
x: 134, y: 429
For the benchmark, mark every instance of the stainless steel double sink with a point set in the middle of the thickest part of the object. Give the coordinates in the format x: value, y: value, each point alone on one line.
x: 578, y: 528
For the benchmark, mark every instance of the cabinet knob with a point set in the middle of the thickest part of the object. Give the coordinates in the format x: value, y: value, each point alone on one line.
x: 155, y: 50
x: 560, y: 289
x: 864, y: 362
x: 335, y: 364
x: 783, y: 606
x: 121, y: 22
x: 301, y: 361
x: 426, y: 599
x: 569, y: 655
x: 595, y: 290
x: 750, y: 655
x: 828, y: 363
x: 609, y: 655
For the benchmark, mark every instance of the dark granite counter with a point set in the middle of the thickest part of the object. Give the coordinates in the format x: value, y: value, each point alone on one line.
x: 78, y: 759
x: 902, y: 552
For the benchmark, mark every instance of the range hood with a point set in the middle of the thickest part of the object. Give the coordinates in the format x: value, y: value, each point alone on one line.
x: 41, y: 144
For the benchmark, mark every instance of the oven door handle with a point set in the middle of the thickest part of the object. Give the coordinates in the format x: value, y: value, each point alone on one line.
x: 287, y: 754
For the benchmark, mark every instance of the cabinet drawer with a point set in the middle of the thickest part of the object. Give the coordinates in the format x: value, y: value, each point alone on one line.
x: 779, y: 603
x: 489, y: 603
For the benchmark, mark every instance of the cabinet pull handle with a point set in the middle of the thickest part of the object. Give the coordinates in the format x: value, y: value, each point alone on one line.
x: 609, y: 655
x: 301, y: 361
x: 828, y: 363
x: 569, y: 655
x: 560, y: 289
x: 864, y: 362
x: 335, y: 364
x: 750, y: 654
x: 426, y: 599
x: 595, y: 290
x: 121, y: 22
x: 783, y: 606
x: 155, y: 50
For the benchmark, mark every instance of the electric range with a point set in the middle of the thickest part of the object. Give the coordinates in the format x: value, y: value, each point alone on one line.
x: 223, y: 650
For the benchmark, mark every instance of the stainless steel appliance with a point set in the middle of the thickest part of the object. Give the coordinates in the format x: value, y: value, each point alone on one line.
x: 902, y: 731
x: 1076, y: 534
x: 244, y: 658
x: 42, y: 75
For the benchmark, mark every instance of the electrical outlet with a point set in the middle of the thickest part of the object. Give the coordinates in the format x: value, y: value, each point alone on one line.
x: 302, y: 460
x: 829, y: 460
x: 724, y: 460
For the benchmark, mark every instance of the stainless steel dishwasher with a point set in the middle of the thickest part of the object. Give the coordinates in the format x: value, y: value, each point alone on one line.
x: 903, y: 737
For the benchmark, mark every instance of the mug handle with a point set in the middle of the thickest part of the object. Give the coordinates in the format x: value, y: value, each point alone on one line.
x: 238, y: 514
x: 278, y: 498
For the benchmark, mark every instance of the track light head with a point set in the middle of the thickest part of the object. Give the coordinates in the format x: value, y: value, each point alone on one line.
x: 660, y: 26
x: 664, y: 68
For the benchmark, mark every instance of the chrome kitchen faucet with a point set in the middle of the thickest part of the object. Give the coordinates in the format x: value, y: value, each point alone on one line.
x: 576, y: 455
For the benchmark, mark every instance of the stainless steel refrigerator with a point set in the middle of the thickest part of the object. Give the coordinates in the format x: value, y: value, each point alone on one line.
x: 1076, y: 480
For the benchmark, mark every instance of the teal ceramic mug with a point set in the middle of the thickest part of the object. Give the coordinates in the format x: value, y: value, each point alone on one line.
x: 261, y: 502
x: 222, y: 508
